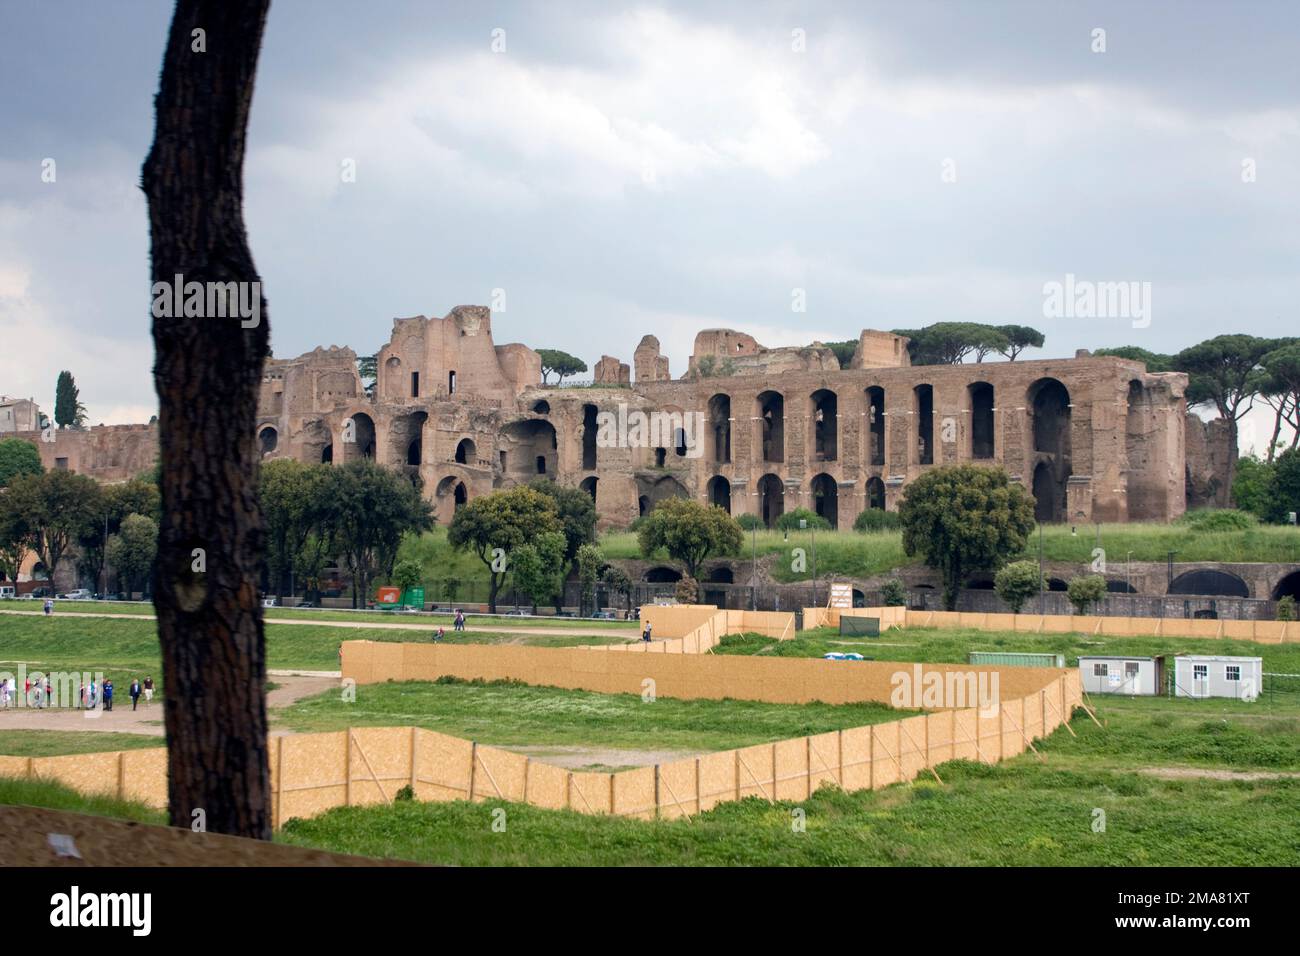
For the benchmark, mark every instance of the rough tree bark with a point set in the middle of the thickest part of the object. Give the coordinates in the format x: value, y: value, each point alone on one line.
x: 207, y: 373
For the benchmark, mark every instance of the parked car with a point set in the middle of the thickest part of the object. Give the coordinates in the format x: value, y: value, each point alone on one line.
x: 7, y: 592
x: 40, y: 593
x: 518, y: 612
x: 605, y: 616
x: 78, y: 594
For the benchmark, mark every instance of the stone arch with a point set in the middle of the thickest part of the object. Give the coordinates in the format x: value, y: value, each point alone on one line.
x: 590, y: 430
x: 1210, y: 581
x: 923, y: 412
x: 451, y: 490
x: 661, y: 574
x: 826, y: 498
x: 526, y: 443
x: 1287, y: 585
x: 362, y: 431
x: 720, y: 428
x: 466, y: 452
x: 589, y: 486
x: 660, y: 489
x: 722, y: 575
x: 317, y: 442
x: 541, y: 407
x: 718, y: 492
x: 406, y: 439
x: 876, y: 425
x: 824, y: 412
x: 875, y: 493
x: 770, y: 410
x: 1049, y: 495
x: 267, y: 440
x: 771, y: 499
x: 980, y: 395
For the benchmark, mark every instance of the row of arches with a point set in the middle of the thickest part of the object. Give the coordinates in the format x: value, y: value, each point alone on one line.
x: 1047, y: 398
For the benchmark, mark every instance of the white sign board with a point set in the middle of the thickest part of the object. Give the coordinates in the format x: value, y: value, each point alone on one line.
x: 841, y: 595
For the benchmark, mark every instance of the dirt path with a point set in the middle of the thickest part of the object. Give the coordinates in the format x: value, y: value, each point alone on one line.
x: 148, y: 718
x: 1200, y: 773
x: 631, y: 633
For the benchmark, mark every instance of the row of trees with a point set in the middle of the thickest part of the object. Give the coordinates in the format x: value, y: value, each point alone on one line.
x: 356, y: 513
x: 59, y: 516
x: 950, y: 343
x: 1270, y: 490
x: 534, y: 533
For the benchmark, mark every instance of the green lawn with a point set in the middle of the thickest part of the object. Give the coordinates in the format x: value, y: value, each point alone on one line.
x: 54, y: 743
x: 125, y: 649
x: 512, y: 714
x: 473, y: 621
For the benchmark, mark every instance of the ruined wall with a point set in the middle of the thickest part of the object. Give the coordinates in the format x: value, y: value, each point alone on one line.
x: 108, y: 453
x: 1209, y: 452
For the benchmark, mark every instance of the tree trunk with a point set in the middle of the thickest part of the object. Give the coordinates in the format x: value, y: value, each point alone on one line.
x: 207, y: 373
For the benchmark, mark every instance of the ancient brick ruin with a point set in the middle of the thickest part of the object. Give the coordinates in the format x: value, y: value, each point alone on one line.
x: 1095, y: 439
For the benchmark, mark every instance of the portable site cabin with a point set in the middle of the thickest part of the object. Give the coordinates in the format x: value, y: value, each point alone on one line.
x: 1015, y: 659
x: 1138, y: 676
x: 1204, y: 675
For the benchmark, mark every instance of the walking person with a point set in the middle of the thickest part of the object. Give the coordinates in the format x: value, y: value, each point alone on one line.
x: 49, y: 606
x: 108, y: 695
x: 134, y: 691
x: 460, y: 620
x: 48, y: 687
x: 148, y: 683
x: 645, y: 635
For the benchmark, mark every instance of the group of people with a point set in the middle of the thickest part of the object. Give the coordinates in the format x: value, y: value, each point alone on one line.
x: 457, y: 624
x: 40, y: 693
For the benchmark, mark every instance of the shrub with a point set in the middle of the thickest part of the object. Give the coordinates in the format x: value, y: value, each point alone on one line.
x: 1218, y: 519
x: 1017, y: 583
x: 1286, y: 608
x: 1085, y: 590
x: 406, y: 793
x: 749, y: 522
x: 688, y: 590
x: 892, y: 593
x: 790, y: 520
x: 876, y: 519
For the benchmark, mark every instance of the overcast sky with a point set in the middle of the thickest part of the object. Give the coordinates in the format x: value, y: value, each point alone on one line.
x: 620, y: 170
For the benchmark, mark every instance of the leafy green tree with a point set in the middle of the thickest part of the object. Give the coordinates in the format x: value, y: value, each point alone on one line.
x: 494, y: 526
x: 18, y: 457
x: 689, y: 531
x: 1279, y: 386
x: 537, y: 567
x: 577, y: 513
x: 687, y: 590
x: 54, y: 509
x: 15, y: 541
x: 1286, y: 608
x: 789, y: 520
x: 1017, y: 583
x: 590, y: 561
x: 1154, y: 361
x: 407, y: 574
x: 1286, y: 486
x: 876, y: 519
x: 368, y: 371
x: 1019, y: 338
x: 893, y: 593
x: 748, y: 523
x: 133, y: 550
x: 560, y: 364
x: 66, y: 402
x: 1085, y: 590
x: 134, y: 497
x: 948, y: 343
x: 965, y: 518
x: 372, y: 508
x: 297, y: 501
x: 618, y: 582
x: 1224, y: 372
x: 1252, y: 487
x: 843, y: 351
x: 989, y: 339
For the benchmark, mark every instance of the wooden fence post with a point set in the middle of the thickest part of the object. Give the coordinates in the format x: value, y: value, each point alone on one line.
x: 121, y: 775
x: 415, y: 744
x: 347, y: 771
x: 473, y: 760
x: 657, y: 804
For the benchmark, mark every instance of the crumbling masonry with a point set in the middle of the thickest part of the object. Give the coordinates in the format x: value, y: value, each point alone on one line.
x: 1093, y: 438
